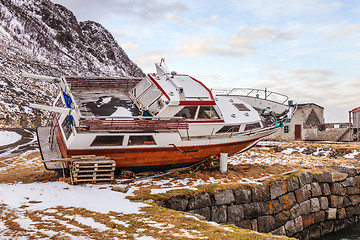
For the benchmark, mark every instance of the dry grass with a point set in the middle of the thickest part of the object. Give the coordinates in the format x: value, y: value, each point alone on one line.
x: 160, y: 223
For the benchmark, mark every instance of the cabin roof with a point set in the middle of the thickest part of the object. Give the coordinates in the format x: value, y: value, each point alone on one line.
x: 356, y: 110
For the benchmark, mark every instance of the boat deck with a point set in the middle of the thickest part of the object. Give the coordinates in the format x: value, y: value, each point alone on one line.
x: 99, y: 102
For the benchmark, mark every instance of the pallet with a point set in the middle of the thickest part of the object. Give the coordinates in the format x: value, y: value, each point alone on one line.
x: 92, y: 169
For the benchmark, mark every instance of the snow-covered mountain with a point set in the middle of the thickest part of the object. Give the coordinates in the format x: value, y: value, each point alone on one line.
x: 40, y: 37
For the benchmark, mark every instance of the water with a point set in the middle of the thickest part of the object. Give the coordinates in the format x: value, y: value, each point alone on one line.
x: 350, y: 233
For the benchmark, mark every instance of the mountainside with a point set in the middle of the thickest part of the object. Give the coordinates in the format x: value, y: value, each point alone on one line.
x: 40, y: 37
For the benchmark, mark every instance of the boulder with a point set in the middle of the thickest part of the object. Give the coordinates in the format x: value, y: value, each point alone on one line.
x: 235, y: 213
x: 242, y: 196
x: 224, y: 197
x: 277, y: 189
x: 287, y: 201
x: 331, y: 213
x: 260, y: 194
x: 219, y: 214
x: 178, y: 203
x: 200, y: 200
x: 266, y: 223
x: 120, y: 188
x: 292, y: 184
x: 315, y: 189
x: 314, y: 205
x: 205, y: 212
x: 305, y: 178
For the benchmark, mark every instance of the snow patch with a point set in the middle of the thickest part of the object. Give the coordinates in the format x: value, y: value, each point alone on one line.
x: 121, y: 112
x: 7, y: 137
x: 53, y: 194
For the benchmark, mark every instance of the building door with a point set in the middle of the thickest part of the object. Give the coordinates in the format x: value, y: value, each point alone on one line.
x: 297, y: 132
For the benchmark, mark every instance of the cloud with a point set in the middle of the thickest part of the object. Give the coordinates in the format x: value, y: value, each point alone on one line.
x: 330, y: 5
x: 153, y: 10
x: 129, y: 46
x: 174, y: 19
x: 240, y: 44
x: 213, y: 18
x: 321, y: 86
x: 346, y: 30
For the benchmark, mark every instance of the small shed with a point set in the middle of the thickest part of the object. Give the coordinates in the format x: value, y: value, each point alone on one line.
x: 354, y: 122
x: 308, y: 117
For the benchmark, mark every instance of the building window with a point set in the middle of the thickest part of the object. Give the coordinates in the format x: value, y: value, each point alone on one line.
x: 286, y: 129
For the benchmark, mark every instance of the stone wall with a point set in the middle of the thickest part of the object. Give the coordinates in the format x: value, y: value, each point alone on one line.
x: 304, y: 206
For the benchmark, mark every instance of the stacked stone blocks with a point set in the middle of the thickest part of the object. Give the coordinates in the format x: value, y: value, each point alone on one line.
x: 305, y: 206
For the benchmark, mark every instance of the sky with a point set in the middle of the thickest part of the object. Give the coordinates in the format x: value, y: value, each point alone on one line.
x: 308, y: 49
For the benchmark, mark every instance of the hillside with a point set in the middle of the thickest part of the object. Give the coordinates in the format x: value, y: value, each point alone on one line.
x: 40, y: 37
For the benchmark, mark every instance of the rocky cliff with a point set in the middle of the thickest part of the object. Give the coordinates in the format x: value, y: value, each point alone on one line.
x: 40, y: 37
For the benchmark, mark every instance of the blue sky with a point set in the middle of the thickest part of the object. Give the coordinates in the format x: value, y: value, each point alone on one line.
x: 308, y: 49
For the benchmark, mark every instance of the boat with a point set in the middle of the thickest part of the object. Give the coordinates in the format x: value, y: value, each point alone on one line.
x: 161, y: 121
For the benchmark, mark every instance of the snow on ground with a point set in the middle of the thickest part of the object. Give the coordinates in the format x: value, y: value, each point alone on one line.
x: 7, y: 137
x: 38, y: 196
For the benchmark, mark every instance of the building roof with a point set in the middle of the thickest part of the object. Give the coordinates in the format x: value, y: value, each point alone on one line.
x: 355, y: 110
x: 308, y: 104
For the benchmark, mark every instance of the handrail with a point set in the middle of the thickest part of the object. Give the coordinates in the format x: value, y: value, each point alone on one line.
x: 254, y: 93
x: 102, y: 82
x: 140, y: 124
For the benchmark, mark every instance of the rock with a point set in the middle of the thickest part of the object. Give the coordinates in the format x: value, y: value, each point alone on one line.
x: 235, y: 213
x: 245, y: 224
x: 253, y: 210
x: 314, y: 232
x: 348, y: 182
x: 219, y: 213
x: 354, y: 199
x: 120, y: 188
x: 315, y: 189
x: 325, y: 188
x: 323, y: 177
x: 303, y: 193
x: 308, y: 220
x: 341, y: 213
x: 298, y: 224
x: 242, y: 196
x: 178, y: 203
x: 324, y: 203
x: 346, y: 202
x: 200, y: 200
x: 205, y: 212
x: 305, y: 178
x: 351, y: 211
x: 336, y: 201
x: 314, y: 205
x: 357, y: 181
x: 277, y: 189
x: 272, y: 207
x: 292, y: 184
x: 287, y: 201
x: 281, y: 218
x: 338, y: 177
x: 337, y: 189
x: 352, y: 190
x: 260, y: 194
x: 266, y: 223
x: 305, y: 207
x: 320, y: 216
x: 279, y: 231
x: 327, y: 227
x: 224, y: 197
x: 331, y: 213
x: 295, y: 211
x: 290, y: 228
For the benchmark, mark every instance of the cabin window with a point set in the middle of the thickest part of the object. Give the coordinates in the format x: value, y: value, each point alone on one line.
x: 207, y: 112
x: 141, y: 140
x: 107, y: 141
x: 187, y: 112
x: 252, y: 126
x: 286, y: 129
x: 66, y: 125
x: 229, y: 129
x: 241, y: 107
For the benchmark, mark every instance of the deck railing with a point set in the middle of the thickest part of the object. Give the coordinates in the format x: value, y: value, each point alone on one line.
x: 102, y: 82
x: 116, y: 124
x: 254, y: 93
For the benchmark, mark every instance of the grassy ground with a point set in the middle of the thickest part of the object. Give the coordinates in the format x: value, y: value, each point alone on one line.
x: 259, y: 165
